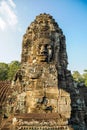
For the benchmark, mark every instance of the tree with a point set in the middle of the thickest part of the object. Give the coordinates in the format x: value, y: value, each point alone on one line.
x: 77, y: 76
x: 3, y: 71
x: 85, y: 77
x: 7, y: 71
x: 80, y: 78
x: 12, y: 69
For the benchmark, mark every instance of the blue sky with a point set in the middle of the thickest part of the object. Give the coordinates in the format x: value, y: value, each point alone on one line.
x: 71, y: 16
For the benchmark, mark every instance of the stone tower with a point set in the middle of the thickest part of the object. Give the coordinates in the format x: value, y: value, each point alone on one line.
x: 44, y: 62
x: 42, y: 87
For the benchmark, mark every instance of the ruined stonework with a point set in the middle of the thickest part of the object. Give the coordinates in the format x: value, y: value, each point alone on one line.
x: 44, y: 95
x: 44, y: 60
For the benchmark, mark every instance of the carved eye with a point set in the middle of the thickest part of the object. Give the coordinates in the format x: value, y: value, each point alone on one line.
x: 49, y: 47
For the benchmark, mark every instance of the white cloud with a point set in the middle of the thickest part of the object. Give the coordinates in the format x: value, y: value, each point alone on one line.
x: 7, y: 14
x: 2, y: 24
x: 12, y: 3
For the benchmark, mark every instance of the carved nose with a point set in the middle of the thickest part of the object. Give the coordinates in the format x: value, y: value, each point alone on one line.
x: 43, y: 50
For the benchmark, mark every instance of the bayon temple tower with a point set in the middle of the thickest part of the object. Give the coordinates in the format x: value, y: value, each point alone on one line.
x: 41, y: 81
x: 43, y: 88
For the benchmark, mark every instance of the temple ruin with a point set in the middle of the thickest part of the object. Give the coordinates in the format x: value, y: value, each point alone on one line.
x: 43, y: 93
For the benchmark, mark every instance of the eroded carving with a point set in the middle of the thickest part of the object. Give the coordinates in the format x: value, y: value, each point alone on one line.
x: 44, y: 86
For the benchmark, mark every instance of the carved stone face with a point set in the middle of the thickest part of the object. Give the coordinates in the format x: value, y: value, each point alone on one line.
x: 44, y: 50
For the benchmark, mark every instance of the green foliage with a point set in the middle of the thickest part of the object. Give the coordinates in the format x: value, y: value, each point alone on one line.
x: 3, y: 71
x: 7, y: 71
x: 12, y: 69
x: 85, y: 77
x: 76, y: 75
x: 80, y: 78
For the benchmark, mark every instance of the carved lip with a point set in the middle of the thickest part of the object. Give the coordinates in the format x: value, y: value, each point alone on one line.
x: 43, y: 58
